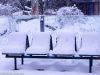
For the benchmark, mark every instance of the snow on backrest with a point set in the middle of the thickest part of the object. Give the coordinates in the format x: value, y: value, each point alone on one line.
x: 66, y: 40
x: 91, y: 41
x: 41, y: 39
x: 17, y: 38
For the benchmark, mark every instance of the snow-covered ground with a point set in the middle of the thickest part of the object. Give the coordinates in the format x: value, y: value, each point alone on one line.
x: 48, y: 66
x: 25, y: 72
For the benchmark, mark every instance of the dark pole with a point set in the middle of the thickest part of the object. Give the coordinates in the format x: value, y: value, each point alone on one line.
x: 42, y: 23
x: 15, y: 63
x: 42, y: 16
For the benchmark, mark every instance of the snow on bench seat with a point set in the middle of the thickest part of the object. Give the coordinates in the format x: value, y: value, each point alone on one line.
x: 65, y: 43
x: 90, y: 44
x: 16, y: 43
x: 40, y: 43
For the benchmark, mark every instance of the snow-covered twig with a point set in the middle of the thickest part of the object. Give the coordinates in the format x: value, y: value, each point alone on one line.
x: 28, y: 8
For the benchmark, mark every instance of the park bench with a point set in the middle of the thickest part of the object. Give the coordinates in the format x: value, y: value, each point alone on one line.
x: 46, y: 46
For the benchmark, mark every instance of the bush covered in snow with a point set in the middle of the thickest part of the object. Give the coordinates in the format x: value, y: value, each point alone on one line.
x: 49, y: 12
x: 71, y: 18
x: 69, y: 15
x: 7, y: 9
x: 7, y: 25
x: 4, y: 25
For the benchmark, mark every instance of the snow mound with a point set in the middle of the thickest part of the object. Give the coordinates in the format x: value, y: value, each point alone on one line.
x: 69, y: 15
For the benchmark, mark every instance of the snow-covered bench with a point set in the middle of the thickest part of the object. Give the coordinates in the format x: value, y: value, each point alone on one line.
x: 90, y: 47
x: 90, y: 44
x: 40, y: 44
x: 15, y: 44
x: 18, y: 42
x: 64, y: 47
x: 65, y: 44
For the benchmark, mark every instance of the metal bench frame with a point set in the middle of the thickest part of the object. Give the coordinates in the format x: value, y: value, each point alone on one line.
x: 46, y: 56
x: 22, y: 56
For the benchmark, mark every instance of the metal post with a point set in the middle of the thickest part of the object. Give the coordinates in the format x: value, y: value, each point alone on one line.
x: 22, y: 60
x: 42, y: 23
x: 15, y: 63
x: 90, y: 65
x: 42, y: 17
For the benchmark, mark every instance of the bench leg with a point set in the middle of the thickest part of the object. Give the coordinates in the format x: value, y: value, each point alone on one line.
x: 15, y: 63
x: 90, y: 65
x: 22, y: 61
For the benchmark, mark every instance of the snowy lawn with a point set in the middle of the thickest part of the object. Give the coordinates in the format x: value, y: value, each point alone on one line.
x: 25, y: 72
x: 49, y: 67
